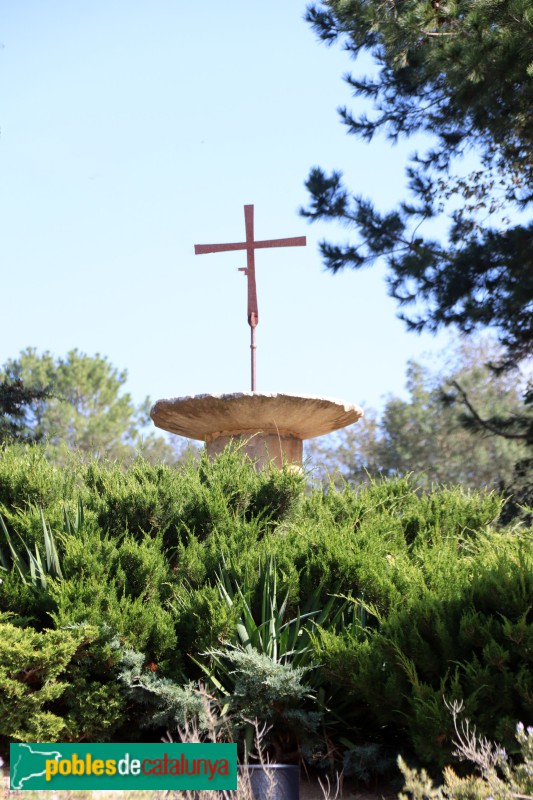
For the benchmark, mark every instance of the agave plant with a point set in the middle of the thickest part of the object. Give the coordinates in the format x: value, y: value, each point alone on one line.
x: 269, y: 672
x: 33, y: 567
x: 30, y: 566
x: 281, y: 640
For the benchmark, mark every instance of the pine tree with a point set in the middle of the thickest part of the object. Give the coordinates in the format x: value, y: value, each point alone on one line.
x: 76, y: 403
x: 462, y: 71
x: 425, y: 434
x: 16, y: 399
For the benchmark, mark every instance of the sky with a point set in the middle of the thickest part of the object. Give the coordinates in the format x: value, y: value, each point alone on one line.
x: 131, y: 131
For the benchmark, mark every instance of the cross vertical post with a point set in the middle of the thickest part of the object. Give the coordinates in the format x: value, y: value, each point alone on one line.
x: 249, y: 271
x: 250, y: 245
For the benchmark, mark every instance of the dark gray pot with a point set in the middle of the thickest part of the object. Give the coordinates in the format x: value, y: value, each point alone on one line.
x: 274, y: 781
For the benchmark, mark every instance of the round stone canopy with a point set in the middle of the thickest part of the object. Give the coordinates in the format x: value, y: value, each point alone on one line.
x: 209, y: 416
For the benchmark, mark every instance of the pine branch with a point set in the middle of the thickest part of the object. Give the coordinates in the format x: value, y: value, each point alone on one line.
x: 484, y: 423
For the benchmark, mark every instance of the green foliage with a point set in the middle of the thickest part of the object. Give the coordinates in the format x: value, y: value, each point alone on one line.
x: 254, y: 687
x: 460, y: 72
x: 58, y: 685
x: 31, y: 566
x: 425, y: 435
x: 93, y: 706
x: 466, y: 634
x: 196, y: 501
x: 410, y: 594
x: 15, y: 398
x: 32, y: 666
x: 367, y: 762
x: 496, y: 776
x: 160, y: 702
x: 259, y: 671
x: 142, y: 500
x: 122, y: 584
x: 27, y: 478
x: 75, y: 403
x: 31, y: 603
x: 273, y: 635
x: 257, y: 685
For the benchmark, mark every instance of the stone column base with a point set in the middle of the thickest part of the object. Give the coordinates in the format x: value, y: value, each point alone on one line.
x: 262, y: 447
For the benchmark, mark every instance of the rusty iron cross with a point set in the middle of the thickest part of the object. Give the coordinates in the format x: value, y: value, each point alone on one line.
x: 250, y: 245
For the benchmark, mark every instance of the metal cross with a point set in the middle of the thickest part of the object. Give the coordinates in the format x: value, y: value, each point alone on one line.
x: 250, y: 246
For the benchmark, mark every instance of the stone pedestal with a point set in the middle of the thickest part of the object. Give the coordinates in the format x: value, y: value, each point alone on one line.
x: 271, y: 426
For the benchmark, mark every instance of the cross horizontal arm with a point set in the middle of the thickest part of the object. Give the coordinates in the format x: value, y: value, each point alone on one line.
x: 296, y: 241
x: 218, y: 248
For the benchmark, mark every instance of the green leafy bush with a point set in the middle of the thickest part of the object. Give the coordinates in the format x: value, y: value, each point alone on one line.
x: 30, y: 565
x: 198, y: 500
x: 254, y: 687
x: 32, y: 667
x: 438, y: 599
x: 160, y: 702
x: 470, y: 637
x: 28, y: 478
x: 122, y: 584
x: 496, y: 776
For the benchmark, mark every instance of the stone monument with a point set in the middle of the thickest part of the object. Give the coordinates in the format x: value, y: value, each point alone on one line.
x: 271, y: 427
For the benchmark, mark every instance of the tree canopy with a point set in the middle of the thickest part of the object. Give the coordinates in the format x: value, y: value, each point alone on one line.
x: 462, y: 71
x: 15, y: 400
x: 426, y: 435
x: 76, y: 403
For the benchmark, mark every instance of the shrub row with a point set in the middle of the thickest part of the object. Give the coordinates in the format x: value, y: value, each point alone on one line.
x: 440, y: 601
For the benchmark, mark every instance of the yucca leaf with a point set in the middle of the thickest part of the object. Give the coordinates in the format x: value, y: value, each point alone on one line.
x: 293, y: 631
x: 17, y: 560
x: 264, y: 597
x: 244, y: 636
x: 209, y: 673
x: 307, y: 615
x: 4, y: 561
x: 249, y: 735
x: 47, y: 543
x: 225, y: 594
x: 252, y: 637
x: 52, y: 557
x: 74, y: 527
x: 36, y: 568
x: 66, y: 522
x: 283, y: 606
x: 80, y: 515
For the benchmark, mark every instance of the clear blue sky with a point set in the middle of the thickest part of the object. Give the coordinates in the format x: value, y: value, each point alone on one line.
x: 131, y: 131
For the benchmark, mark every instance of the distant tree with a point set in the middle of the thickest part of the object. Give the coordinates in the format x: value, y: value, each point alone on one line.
x: 461, y: 72
x: 426, y: 434
x: 153, y: 446
x: 15, y: 402
x: 352, y: 454
x: 76, y: 403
